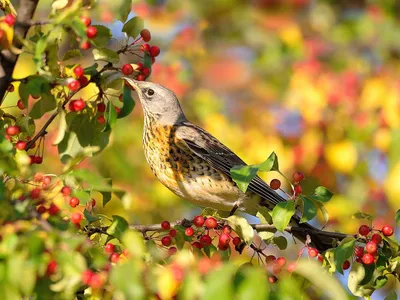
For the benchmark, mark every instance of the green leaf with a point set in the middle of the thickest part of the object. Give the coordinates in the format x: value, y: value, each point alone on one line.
x: 391, y: 296
x: 380, y: 281
x: 243, y: 175
x: 106, y: 55
x: 40, y: 48
x: 280, y: 241
x: 343, y: 252
x: 74, y: 53
x: 103, y: 36
x: 132, y: 288
x: 133, y: 27
x: 106, y: 197
x: 118, y: 227
x: 83, y: 196
x: 62, y: 127
x: 133, y: 241
x: 282, y: 213
x: 218, y: 284
x: 129, y: 103
x: 271, y: 164
x: 264, y: 216
x: 322, y: 194
x: 323, y: 211
x: 147, y: 60
x: 250, y: 287
x: 242, y: 228
x: 312, y: 271
x: 34, y: 85
x: 111, y: 116
x: 90, y: 217
x: 309, y: 209
x: 45, y: 104
x: 94, y: 180
x: 124, y: 10
x: 361, y: 215
x: 26, y: 124
x: 356, y: 275
x: 79, y: 28
x: 179, y: 239
x: 92, y: 70
x: 397, y: 217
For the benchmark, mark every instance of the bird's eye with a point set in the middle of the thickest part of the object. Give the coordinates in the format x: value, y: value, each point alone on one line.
x: 150, y: 92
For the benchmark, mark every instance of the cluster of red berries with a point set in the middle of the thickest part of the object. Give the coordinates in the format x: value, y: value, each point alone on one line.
x: 199, y: 233
x: 81, y: 80
x: 369, y: 253
x: 91, y: 32
x: 275, y: 184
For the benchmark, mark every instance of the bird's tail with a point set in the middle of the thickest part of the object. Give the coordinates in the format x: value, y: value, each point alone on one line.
x: 313, y: 236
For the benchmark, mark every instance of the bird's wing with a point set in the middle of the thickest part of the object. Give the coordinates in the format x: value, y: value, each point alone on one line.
x: 220, y: 157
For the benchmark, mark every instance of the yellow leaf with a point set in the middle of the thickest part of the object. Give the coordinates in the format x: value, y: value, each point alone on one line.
x: 341, y: 156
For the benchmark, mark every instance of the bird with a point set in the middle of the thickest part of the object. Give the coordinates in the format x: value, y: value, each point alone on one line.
x: 196, y: 166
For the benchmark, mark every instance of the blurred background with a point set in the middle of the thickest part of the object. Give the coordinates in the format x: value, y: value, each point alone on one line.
x: 315, y: 81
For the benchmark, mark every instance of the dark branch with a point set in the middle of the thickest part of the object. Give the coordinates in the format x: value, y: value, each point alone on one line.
x: 8, y: 59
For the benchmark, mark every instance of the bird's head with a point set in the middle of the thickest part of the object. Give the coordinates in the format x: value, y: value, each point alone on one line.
x: 158, y: 101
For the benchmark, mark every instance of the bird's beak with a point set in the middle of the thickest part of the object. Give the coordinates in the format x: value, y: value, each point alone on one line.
x: 133, y: 83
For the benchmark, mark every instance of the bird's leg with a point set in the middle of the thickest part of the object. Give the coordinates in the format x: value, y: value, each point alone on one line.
x: 234, y: 208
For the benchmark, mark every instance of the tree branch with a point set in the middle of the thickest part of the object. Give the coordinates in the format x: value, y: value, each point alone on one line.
x: 8, y: 59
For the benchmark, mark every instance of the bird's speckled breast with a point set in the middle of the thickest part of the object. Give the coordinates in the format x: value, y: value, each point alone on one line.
x: 184, y: 173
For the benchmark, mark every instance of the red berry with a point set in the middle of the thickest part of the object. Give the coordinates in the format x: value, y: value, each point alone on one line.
x: 236, y: 241
x: 368, y: 259
x: 371, y: 247
x: 20, y: 104
x: 298, y: 176
x: 312, y: 252
x: 140, y: 77
x: 51, y: 268
x: 224, y: 239
x: 210, y: 223
x: 291, y: 267
x: 32, y: 158
x: 13, y: 130
x: 10, y: 20
x: 146, y: 72
x: 146, y: 35
x: 166, y: 240
x: 223, y: 247
x: 93, y: 202
x: 86, y: 276
x: 364, y: 230
x: 91, y: 32
x: 145, y: 47
x: 346, y: 265
x: 46, y: 180
x: 275, y: 184
x: 272, y: 279
x: 227, y: 229
x: 189, y: 231
x: 297, y: 189
x: 76, y: 218
x: 53, y: 210
x: 196, y: 245
x: 85, y: 45
x: 270, y: 258
x: 38, y: 160
x: 35, y: 193
x: 281, y: 261
x: 198, y: 221
x: 95, y: 281
x: 205, y: 240
x: 41, y: 209
x: 83, y: 81
x: 387, y: 230
x: 77, y: 105
x: 114, y: 257
x: 376, y: 238
x: 165, y: 225
x: 38, y: 177
x: 172, y: 232
x: 101, y: 119
x: 73, y: 202
x: 101, y: 107
x: 117, y: 109
x: 74, y: 85
x: 320, y: 258
x: 172, y: 251
x: 109, y: 248
x: 78, y: 71
x: 139, y: 66
x: 20, y: 145
x: 154, y: 51
x: 359, y: 251
x: 86, y: 20
x: 127, y: 69
x: 10, y: 88
x: 66, y: 190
